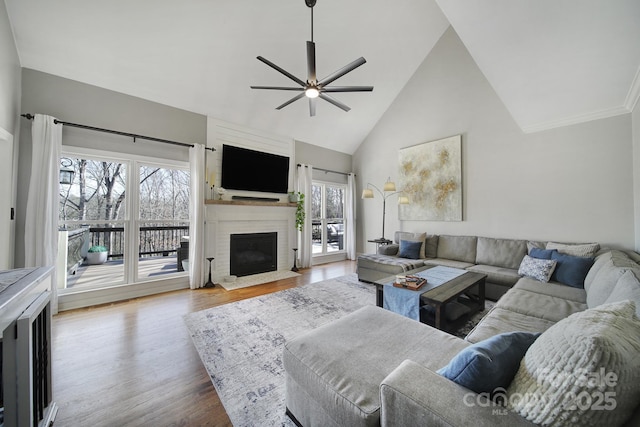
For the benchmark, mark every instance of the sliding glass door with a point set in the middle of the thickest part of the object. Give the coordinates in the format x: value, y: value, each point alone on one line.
x: 94, y: 220
x: 163, y: 220
x: 122, y: 221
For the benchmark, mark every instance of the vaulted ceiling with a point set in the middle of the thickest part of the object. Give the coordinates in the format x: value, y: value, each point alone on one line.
x: 552, y: 62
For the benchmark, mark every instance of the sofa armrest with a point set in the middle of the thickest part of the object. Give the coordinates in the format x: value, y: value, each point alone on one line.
x: 413, y: 395
x: 391, y: 249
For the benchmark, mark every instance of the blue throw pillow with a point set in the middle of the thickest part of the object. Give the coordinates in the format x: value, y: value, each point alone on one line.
x: 571, y: 270
x: 485, y: 366
x: 541, y: 253
x: 409, y: 249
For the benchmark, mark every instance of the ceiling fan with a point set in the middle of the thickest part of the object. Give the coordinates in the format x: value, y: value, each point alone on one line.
x: 314, y: 88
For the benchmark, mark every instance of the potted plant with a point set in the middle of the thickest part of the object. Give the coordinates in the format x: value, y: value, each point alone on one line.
x: 293, y: 196
x: 299, y: 209
x: 97, y: 255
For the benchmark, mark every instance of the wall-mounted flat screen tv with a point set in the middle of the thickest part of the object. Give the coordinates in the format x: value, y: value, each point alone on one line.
x: 250, y: 170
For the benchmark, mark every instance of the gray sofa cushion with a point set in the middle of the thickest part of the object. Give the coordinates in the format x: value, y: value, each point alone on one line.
x: 458, y: 248
x: 497, y: 275
x: 607, y: 276
x: 388, y: 264
x: 507, y: 253
x: 627, y: 288
x: 349, y: 387
x: 448, y: 263
x: 617, y: 258
x: 413, y: 395
x: 500, y: 320
x: 390, y: 250
x: 543, y: 306
x: 535, y: 244
x: 529, y: 306
x: 431, y: 246
x: 553, y: 289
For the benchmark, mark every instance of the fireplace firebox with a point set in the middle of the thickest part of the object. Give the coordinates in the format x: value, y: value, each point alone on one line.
x: 253, y: 253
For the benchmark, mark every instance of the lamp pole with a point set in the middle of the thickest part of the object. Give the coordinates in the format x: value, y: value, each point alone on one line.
x: 384, y: 204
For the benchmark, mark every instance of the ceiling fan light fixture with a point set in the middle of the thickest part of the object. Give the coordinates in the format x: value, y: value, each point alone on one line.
x: 312, y: 92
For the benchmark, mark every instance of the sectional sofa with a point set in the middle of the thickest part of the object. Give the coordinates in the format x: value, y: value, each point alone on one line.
x: 499, y: 259
x: 374, y: 367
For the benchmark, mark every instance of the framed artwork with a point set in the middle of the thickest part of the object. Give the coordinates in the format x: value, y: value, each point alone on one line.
x: 431, y: 175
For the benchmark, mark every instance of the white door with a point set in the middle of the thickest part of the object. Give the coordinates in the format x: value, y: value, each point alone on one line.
x: 7, y: 198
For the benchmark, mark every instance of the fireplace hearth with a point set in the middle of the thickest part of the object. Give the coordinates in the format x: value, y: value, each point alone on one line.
x: 253, y: 253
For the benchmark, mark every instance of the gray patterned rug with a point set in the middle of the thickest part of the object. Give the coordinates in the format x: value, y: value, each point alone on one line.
x: 241, y: 343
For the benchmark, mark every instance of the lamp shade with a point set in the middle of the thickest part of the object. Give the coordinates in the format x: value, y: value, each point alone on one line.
x: 389, y: 186
x: 403, y: 200
x: 367, y: 193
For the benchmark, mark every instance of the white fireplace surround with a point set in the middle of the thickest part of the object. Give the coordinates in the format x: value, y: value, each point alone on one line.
x: 224, y: 220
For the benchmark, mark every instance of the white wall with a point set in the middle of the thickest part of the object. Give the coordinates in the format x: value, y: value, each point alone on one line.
x: 568, y: 184
x: 635, y: 119
x: 9, y: 75
x: 9, y: 134
x: 324, y: 158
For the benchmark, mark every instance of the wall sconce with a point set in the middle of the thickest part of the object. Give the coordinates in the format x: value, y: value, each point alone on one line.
x: 66, y: 173
x: 389, y: 187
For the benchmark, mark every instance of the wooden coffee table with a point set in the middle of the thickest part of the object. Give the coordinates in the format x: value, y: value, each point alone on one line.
x: 441, y: 295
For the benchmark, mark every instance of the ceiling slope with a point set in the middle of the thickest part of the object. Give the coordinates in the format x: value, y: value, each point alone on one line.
x: 554, y: 62
x: 201, y: 55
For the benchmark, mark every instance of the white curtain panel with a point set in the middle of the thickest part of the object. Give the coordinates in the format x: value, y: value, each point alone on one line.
x: 350, y: 216
x: 196, y: 216
x: 41, y: 219
x: 305, y: 177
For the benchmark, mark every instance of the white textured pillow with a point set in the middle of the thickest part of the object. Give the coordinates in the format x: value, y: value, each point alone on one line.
x: 584, y: 370
x: 539, y: 269
x: 588, y: 250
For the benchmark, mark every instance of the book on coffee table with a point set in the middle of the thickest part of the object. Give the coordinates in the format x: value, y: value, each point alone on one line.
x: 411, y: 282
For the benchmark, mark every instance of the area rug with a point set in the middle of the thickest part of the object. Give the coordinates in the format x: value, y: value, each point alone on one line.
x: 241, y: 343
x: 257, y: 279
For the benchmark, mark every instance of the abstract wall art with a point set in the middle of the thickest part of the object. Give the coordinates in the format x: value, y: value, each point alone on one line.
x: 431, y: 175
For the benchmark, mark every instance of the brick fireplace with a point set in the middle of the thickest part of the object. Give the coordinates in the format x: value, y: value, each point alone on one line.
x: 225, y: 218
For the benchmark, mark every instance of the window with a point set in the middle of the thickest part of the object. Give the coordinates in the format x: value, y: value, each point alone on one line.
x: 140, y: 218
x: 327, y: 212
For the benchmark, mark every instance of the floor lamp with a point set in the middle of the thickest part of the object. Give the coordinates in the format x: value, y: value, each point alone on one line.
x: 388, y: 190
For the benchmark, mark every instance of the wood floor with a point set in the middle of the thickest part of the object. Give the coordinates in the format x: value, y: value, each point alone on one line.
x: 133, y: 363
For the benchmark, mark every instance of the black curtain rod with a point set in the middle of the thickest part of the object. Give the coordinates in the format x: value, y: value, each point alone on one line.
x: 30, y: 116
x: 327, y: 170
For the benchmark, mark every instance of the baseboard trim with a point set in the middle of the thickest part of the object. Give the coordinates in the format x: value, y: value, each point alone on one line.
x: 93, y: 297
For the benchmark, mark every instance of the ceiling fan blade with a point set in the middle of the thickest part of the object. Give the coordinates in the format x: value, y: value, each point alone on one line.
x: 281, y: 70
x: 312, y: 107
x: 342, y: 71
x: 277, y: 88
x: 294, y: 99
x: 347, y: 89
x: 311, y: 62
x: 334, y: 101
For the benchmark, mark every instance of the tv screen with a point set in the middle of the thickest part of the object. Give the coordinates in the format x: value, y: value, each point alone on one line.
x: 250, y: 170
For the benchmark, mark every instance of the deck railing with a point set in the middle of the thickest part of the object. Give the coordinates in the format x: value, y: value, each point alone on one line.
x: 154, y: 240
